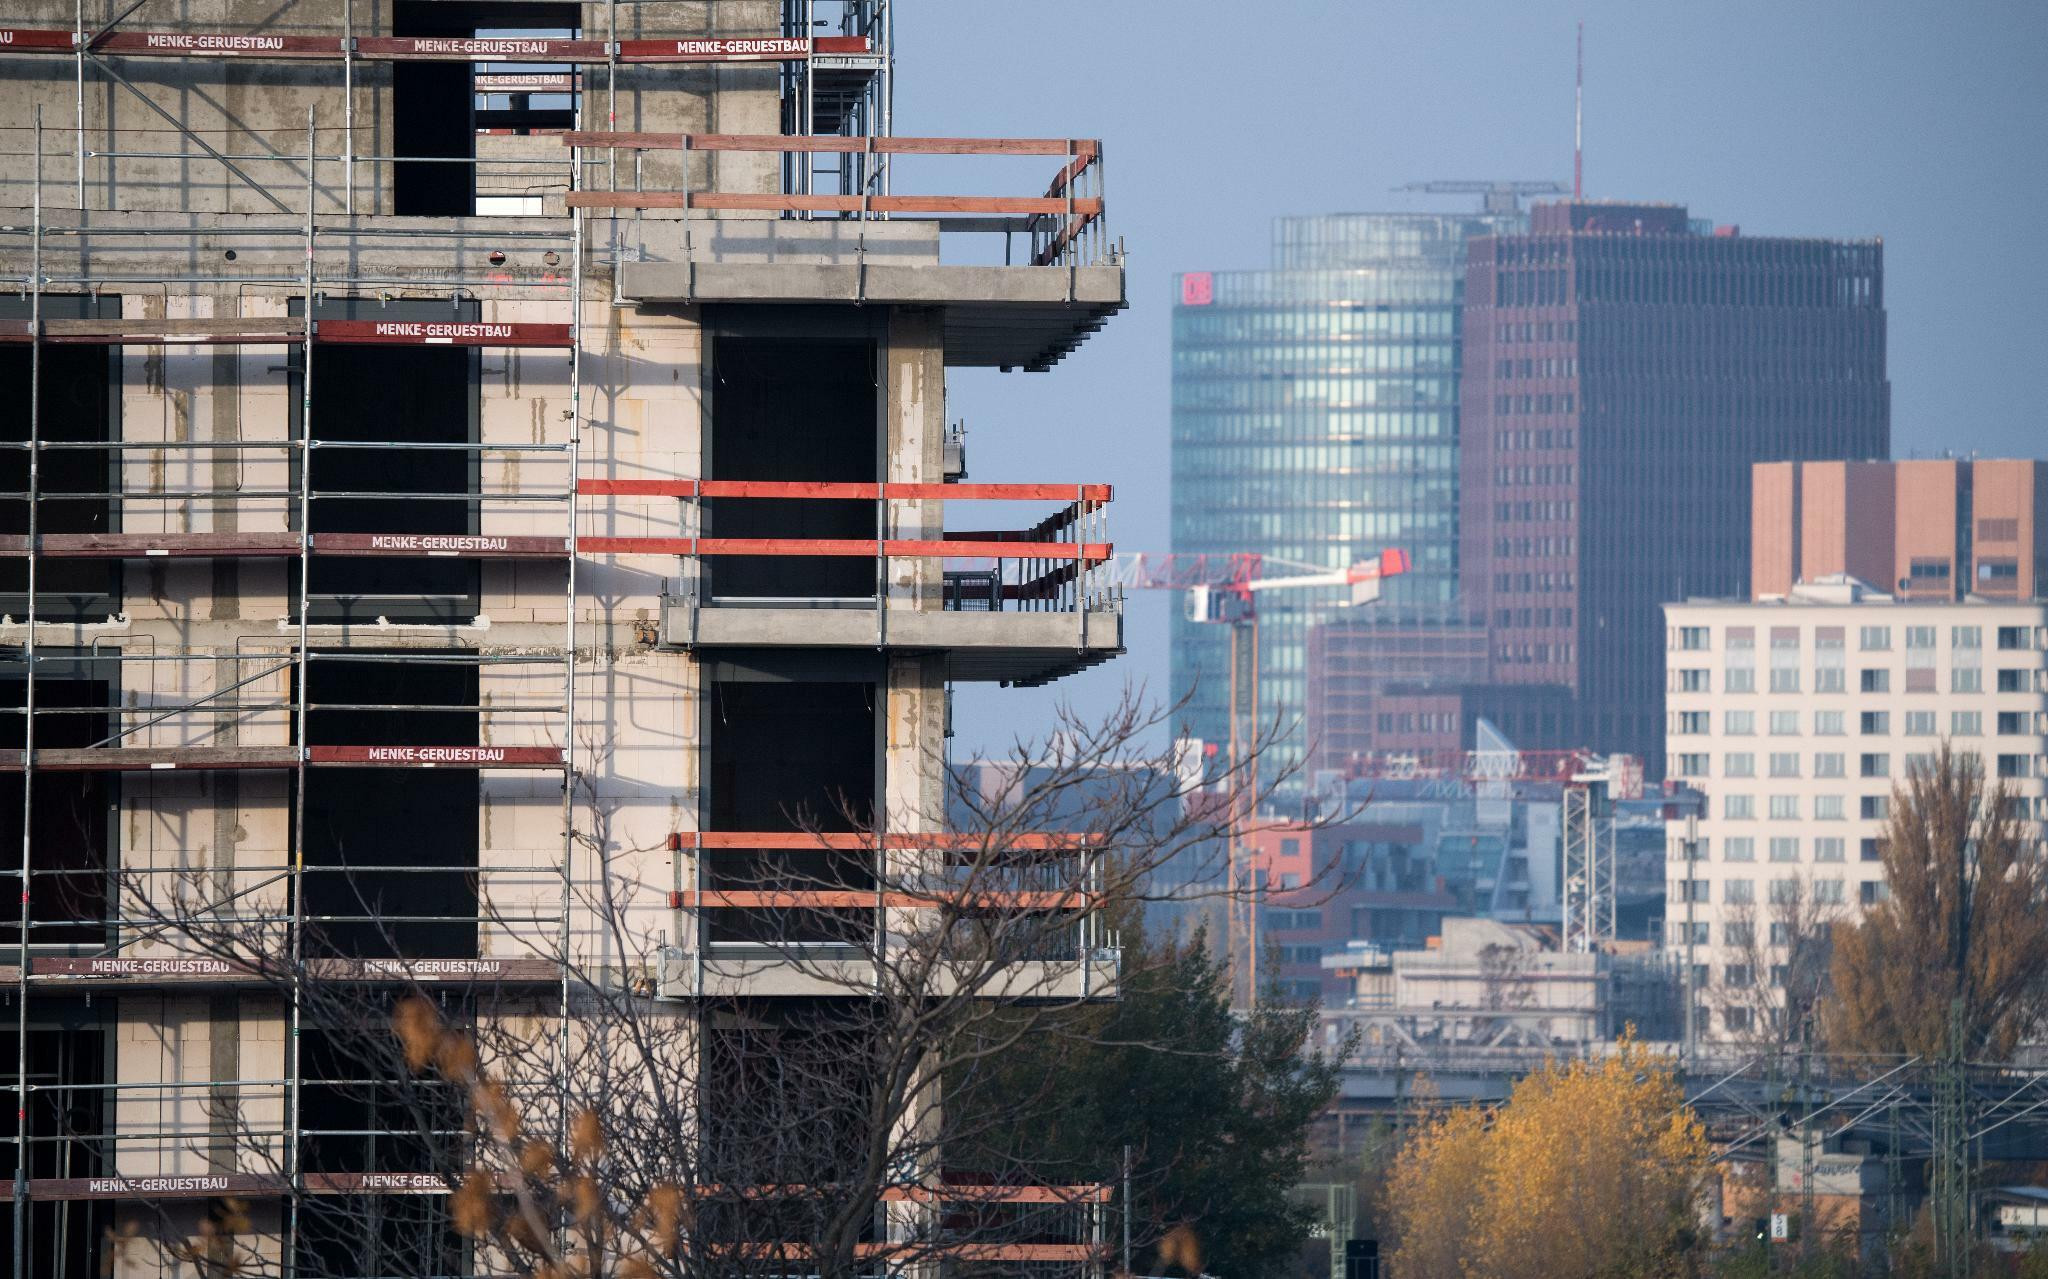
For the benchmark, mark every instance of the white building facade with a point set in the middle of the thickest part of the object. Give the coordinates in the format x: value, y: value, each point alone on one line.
x: 1797, y: 716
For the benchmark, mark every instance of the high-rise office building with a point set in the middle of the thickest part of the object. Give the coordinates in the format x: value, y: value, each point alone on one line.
x: 1929, y: 529
x: 1624, y: 367
x: 1801, y: 715
x: 1315, y: 419
x: 1802, y: 708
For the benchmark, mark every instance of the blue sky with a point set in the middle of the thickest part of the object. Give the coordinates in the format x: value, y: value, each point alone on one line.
x: 1920, y: 123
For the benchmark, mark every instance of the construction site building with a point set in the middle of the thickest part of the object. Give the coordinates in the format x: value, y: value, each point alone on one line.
x: 441, y: 435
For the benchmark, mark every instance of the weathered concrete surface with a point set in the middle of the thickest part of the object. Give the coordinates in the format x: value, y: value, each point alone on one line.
x: 1011, y: 648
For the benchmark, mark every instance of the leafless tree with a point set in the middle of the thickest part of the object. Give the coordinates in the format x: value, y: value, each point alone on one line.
x: 1777, y: 967
x: 808, y: 1079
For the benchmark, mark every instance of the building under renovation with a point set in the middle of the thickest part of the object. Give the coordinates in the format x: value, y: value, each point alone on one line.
x: 445, y: 439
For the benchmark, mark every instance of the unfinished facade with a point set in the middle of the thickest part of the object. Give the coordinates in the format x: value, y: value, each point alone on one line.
x: 457, y: 451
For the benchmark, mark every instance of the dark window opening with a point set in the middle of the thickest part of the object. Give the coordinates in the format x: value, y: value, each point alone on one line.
x: 67, y: 1051
x: 796, y: 756
x: 391, y: 852
x: 370, y: 395
x: 77, y: 404
x: 790, y: 1106
x: 347, y: 1236
x: 352, y: 1121
x: 438, y: 108
x: 784, y: 409
x: 71, y: 815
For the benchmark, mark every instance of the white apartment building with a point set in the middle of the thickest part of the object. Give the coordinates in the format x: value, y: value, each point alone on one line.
x: 1797, y: 715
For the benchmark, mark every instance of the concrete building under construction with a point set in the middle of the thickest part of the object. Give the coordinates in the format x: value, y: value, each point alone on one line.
x: 436, y: 432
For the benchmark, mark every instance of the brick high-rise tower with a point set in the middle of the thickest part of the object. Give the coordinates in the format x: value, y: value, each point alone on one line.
x: 1624, y: 367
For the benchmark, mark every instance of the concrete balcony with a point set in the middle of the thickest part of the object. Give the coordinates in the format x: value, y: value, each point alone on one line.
x: 1014, y: 648
x: 728, y: 970
x: 1017, y: 606
x: 1047, y: 275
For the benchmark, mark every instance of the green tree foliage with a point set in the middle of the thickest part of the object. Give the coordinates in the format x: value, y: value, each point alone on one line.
x: 1215, y: 1109
x: 1968, y: 892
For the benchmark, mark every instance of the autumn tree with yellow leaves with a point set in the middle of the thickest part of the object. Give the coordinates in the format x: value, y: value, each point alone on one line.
x: 1591, y: 1168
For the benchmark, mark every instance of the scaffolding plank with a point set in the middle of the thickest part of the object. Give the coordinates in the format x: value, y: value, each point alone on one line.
x: 479, y: 49
x: 375, y: 1183
x: 169, y: 545
x: 851, y: 899
x: 179, y: 968
x: 525, y: 82
x: 436, y: 971
x: 226, y: 44
x: 203, y: 1186
x: 435, y: 756
x: 184, y: 969
x: 276, y: 545
x: 818, y: 143
x: 442, y: 545
x: 758, y: 49
x: 894, y: 841
x: 439, y: 333
x: 140, y: 759
x: 208, y: 1185
x: 826, y: 489
x: 217, y: 44
x: 159, y: 332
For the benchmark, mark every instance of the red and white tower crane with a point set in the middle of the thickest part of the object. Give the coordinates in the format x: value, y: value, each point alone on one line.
x: 1224, y: 589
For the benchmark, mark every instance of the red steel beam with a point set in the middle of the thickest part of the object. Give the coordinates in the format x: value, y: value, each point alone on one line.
x: 819, y: 143
x: 831, y: 490
x: 1089, y: 552
x: 1084, y: 208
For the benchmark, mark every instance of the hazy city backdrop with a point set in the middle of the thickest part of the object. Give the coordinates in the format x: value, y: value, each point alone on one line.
x: 1912, y: 122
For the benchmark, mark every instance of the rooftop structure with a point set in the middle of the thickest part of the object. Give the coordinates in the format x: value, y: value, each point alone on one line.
x: 1938, y: 528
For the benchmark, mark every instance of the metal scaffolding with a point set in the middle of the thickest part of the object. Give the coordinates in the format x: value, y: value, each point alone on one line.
x: 836, y: 92
x: 237, y: 696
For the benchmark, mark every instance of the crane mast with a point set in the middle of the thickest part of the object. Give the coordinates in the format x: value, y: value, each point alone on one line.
x: 1223, y: 590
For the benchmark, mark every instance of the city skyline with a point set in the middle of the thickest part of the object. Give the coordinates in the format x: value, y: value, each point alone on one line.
x: 1749, y: 115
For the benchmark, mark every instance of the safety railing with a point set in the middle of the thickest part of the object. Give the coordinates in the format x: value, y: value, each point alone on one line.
x: 1055, y: 565
x: 1062, y: 226
x: 1017, y: 899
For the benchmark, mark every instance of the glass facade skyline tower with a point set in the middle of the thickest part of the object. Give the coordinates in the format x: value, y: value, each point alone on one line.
x: 1315, y: 419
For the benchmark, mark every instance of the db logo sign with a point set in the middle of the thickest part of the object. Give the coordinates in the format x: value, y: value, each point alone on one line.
x: 1197, y: 288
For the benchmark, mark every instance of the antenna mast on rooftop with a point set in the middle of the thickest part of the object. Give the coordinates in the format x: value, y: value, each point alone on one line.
x: 1579, y: 122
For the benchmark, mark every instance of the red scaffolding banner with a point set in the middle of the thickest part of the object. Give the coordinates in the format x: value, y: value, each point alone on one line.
x: 442, y: 545
x: 439, y: 333
x: 34, y: 40
x: 222, y: 44
x: 480, y: 48
x: 437, y: 756
x: 759, y: 49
